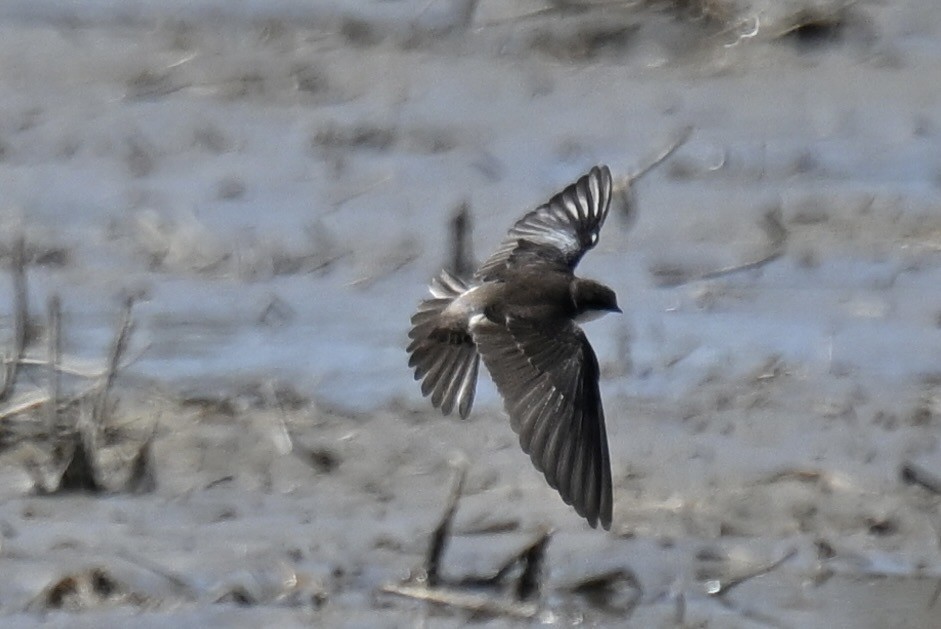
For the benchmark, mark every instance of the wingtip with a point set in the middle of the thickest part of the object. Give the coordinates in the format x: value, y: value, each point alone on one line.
x: 602, y: 173
x: 603, y: 518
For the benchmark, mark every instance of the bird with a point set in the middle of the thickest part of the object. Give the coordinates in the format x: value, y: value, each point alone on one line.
x: 520, y: 312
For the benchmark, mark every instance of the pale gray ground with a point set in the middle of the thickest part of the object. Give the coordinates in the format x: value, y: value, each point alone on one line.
x: 278, y: 179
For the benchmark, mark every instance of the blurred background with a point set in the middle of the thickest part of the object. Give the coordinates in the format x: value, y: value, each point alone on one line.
x: 276, y: 179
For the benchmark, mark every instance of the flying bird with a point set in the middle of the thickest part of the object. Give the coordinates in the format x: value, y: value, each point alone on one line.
x: 520, y: 313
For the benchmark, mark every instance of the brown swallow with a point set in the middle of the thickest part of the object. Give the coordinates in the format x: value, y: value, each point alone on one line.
x: 520, y: 312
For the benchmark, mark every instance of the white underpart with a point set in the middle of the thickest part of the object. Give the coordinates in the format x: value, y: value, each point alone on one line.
x: 590, y: 315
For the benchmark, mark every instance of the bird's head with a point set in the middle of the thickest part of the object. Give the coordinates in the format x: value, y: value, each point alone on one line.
x: 593, y: 299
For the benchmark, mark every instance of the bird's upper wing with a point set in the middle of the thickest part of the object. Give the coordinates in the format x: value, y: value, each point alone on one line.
x: 559, y: 232
x: 548, y: 377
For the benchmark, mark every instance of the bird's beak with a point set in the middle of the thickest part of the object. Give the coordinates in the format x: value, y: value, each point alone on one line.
x: 617, y: 309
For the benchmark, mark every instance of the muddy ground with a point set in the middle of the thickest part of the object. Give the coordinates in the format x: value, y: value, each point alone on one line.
x: 275, y: 180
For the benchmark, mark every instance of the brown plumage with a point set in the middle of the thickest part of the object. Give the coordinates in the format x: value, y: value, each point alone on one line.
x: 519, y: 313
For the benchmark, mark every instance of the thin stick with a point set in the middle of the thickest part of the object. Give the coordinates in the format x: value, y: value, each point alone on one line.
x: 114, y: 360
x: 439, y: 539
x: 54, y: 309
x: 777, y: 235
x: 78, y: 372
x: 721, y: 589
x: 623, y: 189
x: 20, y: 316
x: 681, y: 138
x: 24, y: 403
x: 771, y: 222
x: 471, y: 602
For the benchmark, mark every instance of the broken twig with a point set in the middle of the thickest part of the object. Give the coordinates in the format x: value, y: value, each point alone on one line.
x: 426, y: 586
x: 681, y: 138
x: 439, y: 539
x: 23, y: 403
x: 471, y: 602
x: 524, y: 568
x: 717, y: 588
x: 78, y: 372
x: 624, y: 188
x: 668, y: 276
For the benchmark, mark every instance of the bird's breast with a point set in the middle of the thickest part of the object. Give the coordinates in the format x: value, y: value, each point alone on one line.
x: 589, y: 315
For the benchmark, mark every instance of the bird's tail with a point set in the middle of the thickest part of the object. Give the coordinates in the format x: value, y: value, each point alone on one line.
x: 445, y: 359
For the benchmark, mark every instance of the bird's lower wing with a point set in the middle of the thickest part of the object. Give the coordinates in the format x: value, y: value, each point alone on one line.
x: 549, y: 383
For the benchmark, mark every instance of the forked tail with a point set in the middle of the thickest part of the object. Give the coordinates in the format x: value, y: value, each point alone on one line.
x: 444, y: 359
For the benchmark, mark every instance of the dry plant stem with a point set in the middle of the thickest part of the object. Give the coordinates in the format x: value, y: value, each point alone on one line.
x: 462, y: 259
x: 427, y: 591
x: 114, y: 360
x: 439, y: 539
x: 721, y: 594
x: 777, y: 236
x: 461, y: 600
x: 725, y: 588
x: 622, y: 189
x: 28, y: 403
x: 39, y: 399
x: 84, y: 373
x: 527, y: 583
x: 681, y: 138
x: 54, y: 310
x: 20, y: 317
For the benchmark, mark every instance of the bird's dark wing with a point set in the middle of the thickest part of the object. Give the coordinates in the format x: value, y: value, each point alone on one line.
x: 548, y: 377
x: 559, y: 232
x: 445, y: 361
